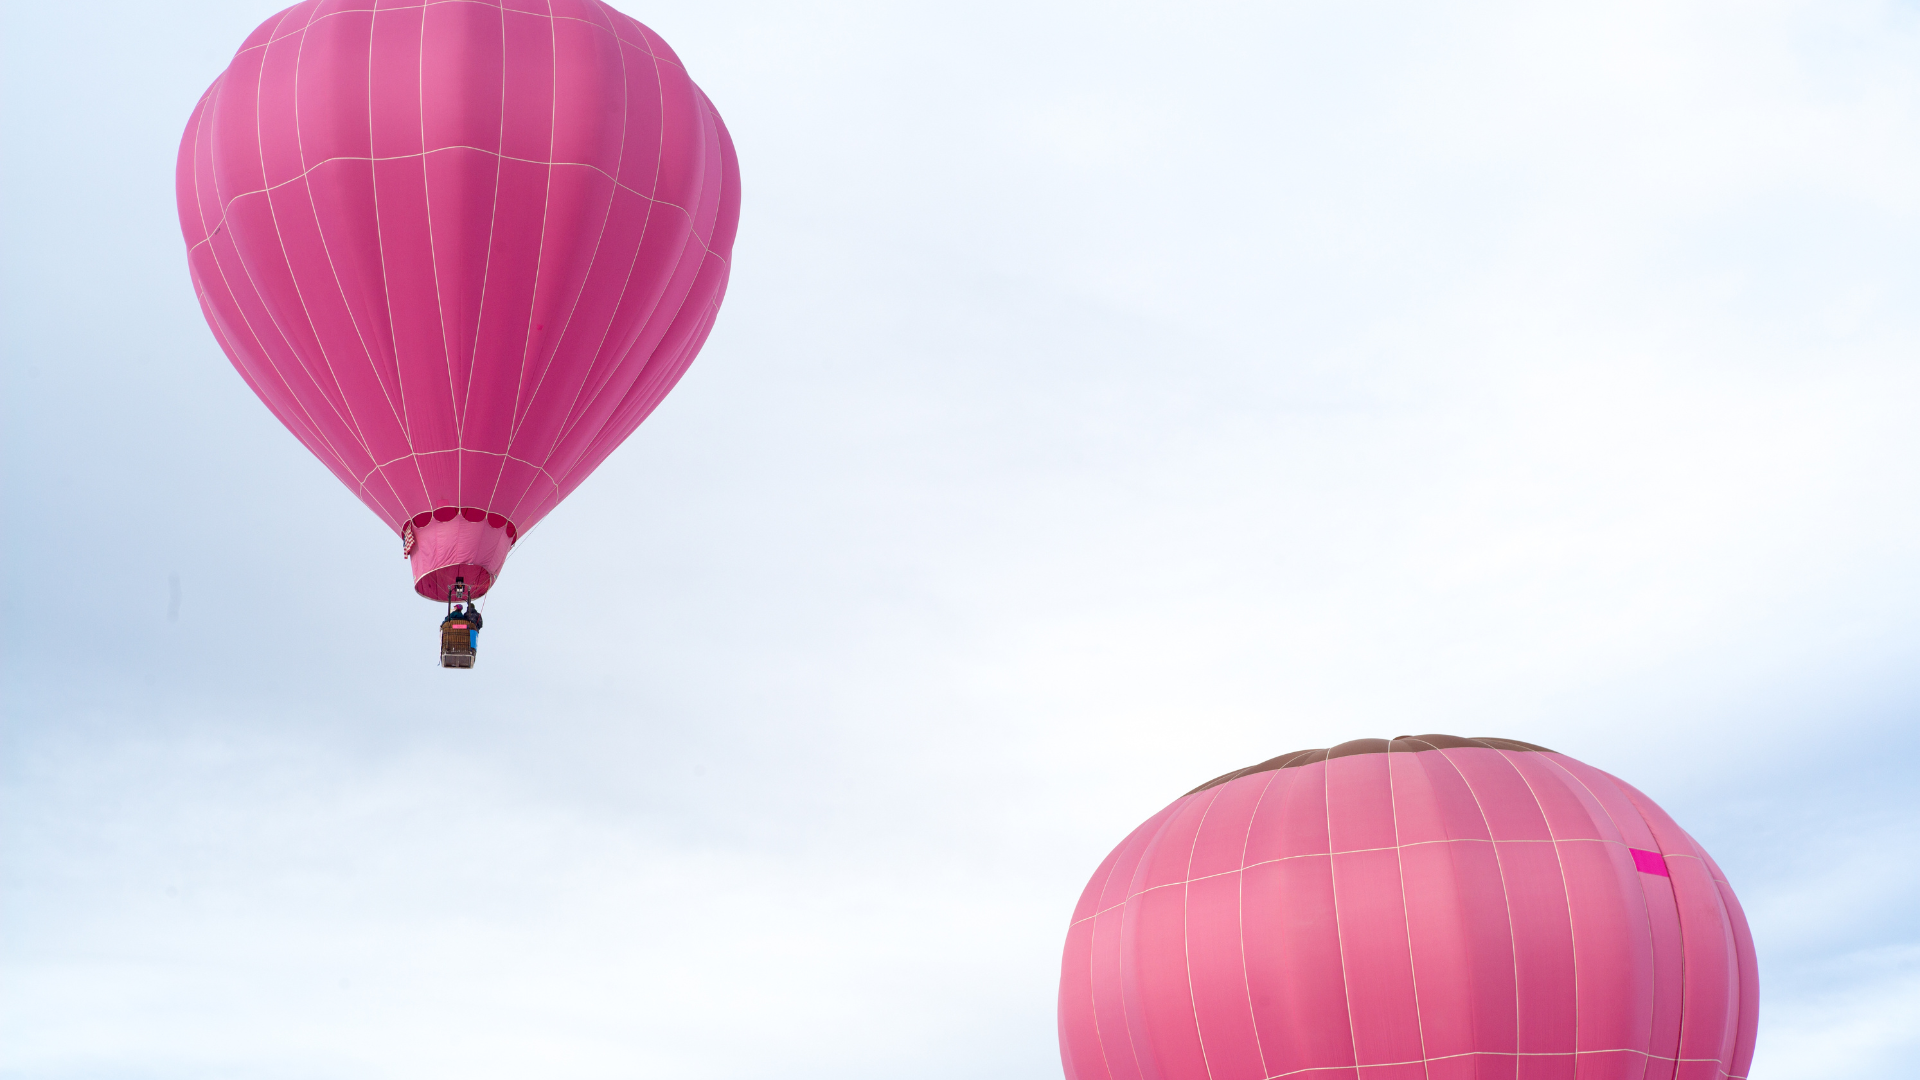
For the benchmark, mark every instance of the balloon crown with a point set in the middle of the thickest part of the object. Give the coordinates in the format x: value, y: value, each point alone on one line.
x: 1399, y: 744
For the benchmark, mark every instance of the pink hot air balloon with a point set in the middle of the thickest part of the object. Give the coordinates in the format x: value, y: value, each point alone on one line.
x: 461, y: 250
x: 1431, y: 907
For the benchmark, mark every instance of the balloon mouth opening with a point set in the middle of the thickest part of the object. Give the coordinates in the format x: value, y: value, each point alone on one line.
x: 439, y: 584
x: 472, y: 514
x: 455, y: 544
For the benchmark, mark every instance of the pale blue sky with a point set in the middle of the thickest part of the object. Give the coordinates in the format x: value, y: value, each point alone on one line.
x: 1108, y: 396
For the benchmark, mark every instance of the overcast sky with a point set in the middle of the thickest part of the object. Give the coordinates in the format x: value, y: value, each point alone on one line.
x: 1108, y: 396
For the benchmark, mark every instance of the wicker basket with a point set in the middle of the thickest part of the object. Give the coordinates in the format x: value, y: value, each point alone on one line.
x: 456, y: 644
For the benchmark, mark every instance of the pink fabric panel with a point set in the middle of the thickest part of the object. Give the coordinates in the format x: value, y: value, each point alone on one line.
x: 1463, y: 954
x: 1472, y: 932
x: 1117, y: 883
x: 1291, y: 819
x: 1613, y: 961
x: 1095, y: 1013
x: 1370, y: 910
x: 480, y: 473
x: 1542, y: 944
x: 1481, y: 915
x: 1161, y: 861
x: 1712, y: 937
x: 1294, y: 967
x: 522, y: 484
x: 1571, y: 812
x: 1105, y: 1007
x: 1359, y: 809
x: 1663, y: 918
x: 1414, y: 802
x: 1748, y: 1025
x: 1221, y: 845
x: 1222, y: 1006
x: 1157, y: 1001
x: 1158, y: 996
x: 1108, y: 1010
x: 1709, y: 1014
x: 480, y: 313
x: 1167, y: 859
x: 1377, y: 956
x: 1506, y: 801
x: 1080, y: 1052
x: 556, y: 364
x: 440, y: 472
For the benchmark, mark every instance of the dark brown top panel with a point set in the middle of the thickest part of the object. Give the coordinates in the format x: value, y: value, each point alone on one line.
x: 1399, y: 744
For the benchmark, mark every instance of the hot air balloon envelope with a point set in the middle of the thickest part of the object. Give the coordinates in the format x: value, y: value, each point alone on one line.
x: 1429, y: 907
x: 460, y: 250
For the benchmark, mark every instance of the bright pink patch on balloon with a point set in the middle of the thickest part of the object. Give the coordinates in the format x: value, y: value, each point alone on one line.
x: 1649, y: 862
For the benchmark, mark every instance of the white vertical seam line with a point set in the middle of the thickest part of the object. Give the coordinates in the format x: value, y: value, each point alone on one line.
x: 644, y: 323
x: 546, y: 212
x: 433, y: 254
x: 1186, y: 939
x: 486, y: 269
x: 593, y: 260
x: 1333, y: 886
x: 386, y: 275
x: 260, y: 148
x: 572, y: 418
x: 1566, y: 889
x: 300, y: 143
x: 1406, y: 913
x: 1246, y: 972
x: 1506, y: 896
x: 1653, y: 960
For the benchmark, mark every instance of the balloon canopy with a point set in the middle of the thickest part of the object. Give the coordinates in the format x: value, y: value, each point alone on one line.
x: 461, y: 250
x: 1427, y: 907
